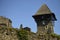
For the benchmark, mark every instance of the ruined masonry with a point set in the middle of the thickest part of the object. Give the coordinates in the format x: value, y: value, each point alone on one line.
x: 44, y: 19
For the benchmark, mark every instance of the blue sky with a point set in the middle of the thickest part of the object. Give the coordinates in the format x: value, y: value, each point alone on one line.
x: 21, y: 11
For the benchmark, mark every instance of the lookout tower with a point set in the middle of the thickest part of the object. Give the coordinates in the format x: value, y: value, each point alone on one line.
x: 45, y: 20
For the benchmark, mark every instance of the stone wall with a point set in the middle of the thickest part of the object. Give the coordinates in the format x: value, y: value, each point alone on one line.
x: 8, y: 34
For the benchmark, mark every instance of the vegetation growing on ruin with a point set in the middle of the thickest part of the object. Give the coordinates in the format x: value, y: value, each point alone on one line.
x: 23, y: 35
x: 55, y: 35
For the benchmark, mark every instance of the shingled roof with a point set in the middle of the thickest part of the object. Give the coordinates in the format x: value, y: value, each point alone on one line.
x: 43, y: 10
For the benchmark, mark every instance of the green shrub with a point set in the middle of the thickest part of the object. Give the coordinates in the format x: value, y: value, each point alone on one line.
x: 23, y: 35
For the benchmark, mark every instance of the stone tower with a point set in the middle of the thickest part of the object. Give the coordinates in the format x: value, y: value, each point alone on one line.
x: 44, y: 19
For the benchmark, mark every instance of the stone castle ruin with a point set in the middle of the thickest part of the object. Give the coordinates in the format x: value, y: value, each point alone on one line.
x: 44, y: 19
